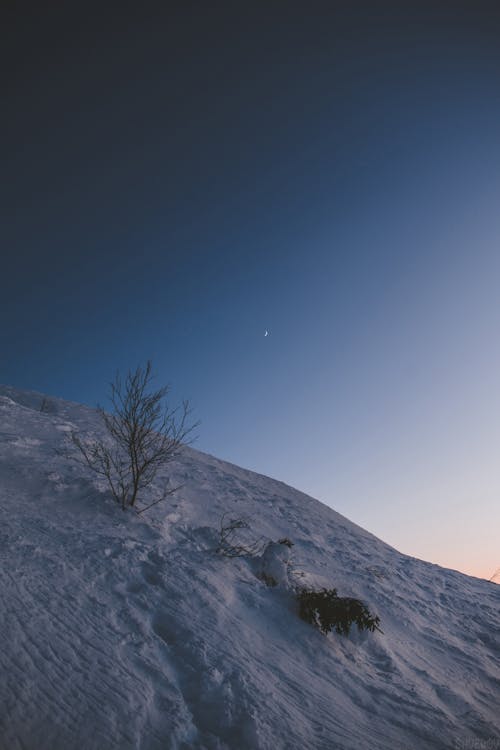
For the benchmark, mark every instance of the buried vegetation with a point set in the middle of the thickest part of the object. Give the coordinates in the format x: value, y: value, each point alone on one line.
x: 328, y: 611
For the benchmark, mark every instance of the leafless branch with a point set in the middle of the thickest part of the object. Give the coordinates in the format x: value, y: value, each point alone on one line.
x: 231, y: 543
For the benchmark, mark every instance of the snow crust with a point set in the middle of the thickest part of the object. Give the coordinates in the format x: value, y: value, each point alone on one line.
x: 126, y: 631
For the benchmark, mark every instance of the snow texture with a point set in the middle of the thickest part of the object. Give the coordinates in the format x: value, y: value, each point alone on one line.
x: 275, y: 565
x: 127, y: 631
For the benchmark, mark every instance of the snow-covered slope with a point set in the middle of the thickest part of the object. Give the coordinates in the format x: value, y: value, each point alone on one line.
x: 126, y: 631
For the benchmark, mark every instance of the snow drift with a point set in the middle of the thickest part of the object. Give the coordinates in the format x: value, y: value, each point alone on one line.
x: 126, y: 631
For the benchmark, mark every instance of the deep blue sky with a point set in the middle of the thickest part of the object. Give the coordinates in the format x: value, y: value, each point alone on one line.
x: 175, y: 182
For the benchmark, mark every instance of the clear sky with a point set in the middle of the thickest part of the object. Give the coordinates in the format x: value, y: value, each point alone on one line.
x: 176, y: 182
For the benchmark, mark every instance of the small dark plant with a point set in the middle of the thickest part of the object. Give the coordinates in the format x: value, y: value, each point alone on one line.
x: 286, y: 541
x: 267, y: 579
x: 327, y: 611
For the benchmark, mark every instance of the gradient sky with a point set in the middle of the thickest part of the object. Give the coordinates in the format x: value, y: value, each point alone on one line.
x: 176, y: 182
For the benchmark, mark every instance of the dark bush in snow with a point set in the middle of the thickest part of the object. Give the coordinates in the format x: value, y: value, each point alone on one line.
x: 267, y: 579
x: 327, y: 611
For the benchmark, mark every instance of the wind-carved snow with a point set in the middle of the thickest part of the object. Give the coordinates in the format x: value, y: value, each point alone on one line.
x: 125, y: 631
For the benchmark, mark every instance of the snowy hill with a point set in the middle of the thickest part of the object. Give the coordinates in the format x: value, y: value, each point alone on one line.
x: 125, y: 631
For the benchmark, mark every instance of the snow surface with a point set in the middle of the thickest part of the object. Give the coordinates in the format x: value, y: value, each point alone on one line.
x: 127, y: 631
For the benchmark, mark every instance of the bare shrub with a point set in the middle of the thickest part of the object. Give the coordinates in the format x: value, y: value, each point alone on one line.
x: 143, y: 434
